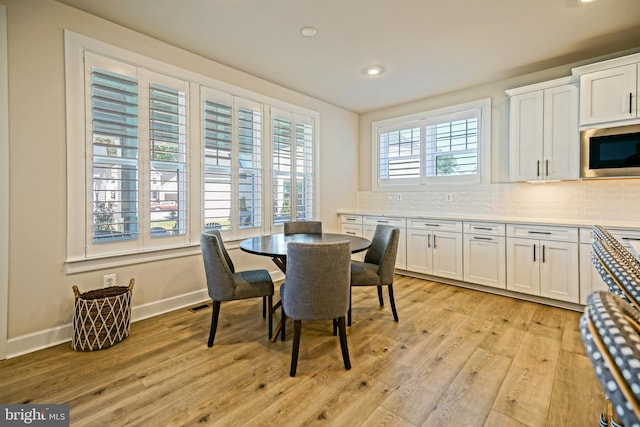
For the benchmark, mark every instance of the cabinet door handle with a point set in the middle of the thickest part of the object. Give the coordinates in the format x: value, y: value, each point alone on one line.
x: 534, y: 253
x: 543, y: 251
x: 546, y: 167
x: 434, y: 241
x: 429, y: 240
x: 630, y: 102
x: 538, y: 168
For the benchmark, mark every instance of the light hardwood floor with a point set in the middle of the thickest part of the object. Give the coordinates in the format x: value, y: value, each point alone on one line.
x: 457, y: 357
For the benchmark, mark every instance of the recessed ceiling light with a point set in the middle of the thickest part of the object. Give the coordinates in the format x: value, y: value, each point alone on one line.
x: 308, y: 31
x: 374, y: 70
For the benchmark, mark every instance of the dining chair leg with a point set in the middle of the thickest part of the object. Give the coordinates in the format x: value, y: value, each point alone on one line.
x: 349, y: 312
x: 343, y: 342
x: 335, y: 327
x: 214, y: 322
x: 380, y: 298
x: 393, y: 303
x: 282, y: 323
x: 297, y: 327
x: 264, y: 307
x: 270, y: 304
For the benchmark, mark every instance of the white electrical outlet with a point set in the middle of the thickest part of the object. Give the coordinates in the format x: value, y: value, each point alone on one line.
x: 448, y: 197
x: 109, y: 280
x: 398, y: 196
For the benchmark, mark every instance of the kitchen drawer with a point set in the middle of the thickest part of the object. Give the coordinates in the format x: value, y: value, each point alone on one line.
x: 351, y: 219
x: 383, y: 220
x: 526, y: 231
x: 486, y: 228
x: 352, y: 230
x: 439, y: 225
x: 586, y: 235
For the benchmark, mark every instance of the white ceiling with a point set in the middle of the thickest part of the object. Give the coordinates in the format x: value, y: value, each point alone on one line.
x: 428, y: 47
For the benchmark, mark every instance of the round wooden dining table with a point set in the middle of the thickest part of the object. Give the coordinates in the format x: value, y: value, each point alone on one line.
x: 275, y: 245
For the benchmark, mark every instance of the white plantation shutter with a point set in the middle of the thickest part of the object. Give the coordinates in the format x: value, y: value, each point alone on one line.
x: 114, y: 166
x: 452, y: 144
x: 400, y: 153
x: 232, y: 187
x: 167, y: 171
x: 217, y: 127
x: 304, y: 168
x: 249, y: 164
x: 292, y: 153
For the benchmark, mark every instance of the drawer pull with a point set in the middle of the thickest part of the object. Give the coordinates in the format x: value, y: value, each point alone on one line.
x: 380, y: 221
x: 482, y: 238
x: 547, y: 233
x: 351, y: 232
x: 431, y: 225
x: 482, y: 228
x: 350, y: 219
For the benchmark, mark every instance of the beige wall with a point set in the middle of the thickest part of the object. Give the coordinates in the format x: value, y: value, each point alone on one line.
x: 40, y: 296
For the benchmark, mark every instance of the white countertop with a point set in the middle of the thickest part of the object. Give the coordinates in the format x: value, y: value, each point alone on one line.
x: 502, y: 219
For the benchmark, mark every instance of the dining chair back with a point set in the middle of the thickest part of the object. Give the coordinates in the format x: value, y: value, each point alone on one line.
x: 610, y: 330
x: 225, y: 284
x: 316, y: 288
x: 378, y: 268
x: 299, y: 227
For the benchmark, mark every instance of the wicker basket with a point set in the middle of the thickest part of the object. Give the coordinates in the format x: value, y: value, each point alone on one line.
x: 102, y: 317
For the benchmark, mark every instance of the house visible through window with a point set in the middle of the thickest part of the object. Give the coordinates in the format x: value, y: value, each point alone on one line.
x: 442, y: 146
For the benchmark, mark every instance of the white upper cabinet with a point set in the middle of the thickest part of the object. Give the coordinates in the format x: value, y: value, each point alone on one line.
x: 544, y: 134
x: 609, y: 92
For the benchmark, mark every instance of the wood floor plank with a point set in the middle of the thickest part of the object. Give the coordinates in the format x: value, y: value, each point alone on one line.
x: 469, y: 398
x: 526, y: 391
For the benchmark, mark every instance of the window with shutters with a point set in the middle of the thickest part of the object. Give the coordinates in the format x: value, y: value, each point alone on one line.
x: 292, y: 156
x: 444, y: 146
x: 157, y: 154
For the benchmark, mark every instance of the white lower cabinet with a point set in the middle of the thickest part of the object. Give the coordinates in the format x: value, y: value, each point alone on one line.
x: 352, y: 225
x: 543, y: 261
x: 435, y: 247
x: 369, y: 224
x: 484, y: 254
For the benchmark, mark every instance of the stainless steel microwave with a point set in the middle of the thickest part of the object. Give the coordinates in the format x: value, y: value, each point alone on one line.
x: 610, y: 152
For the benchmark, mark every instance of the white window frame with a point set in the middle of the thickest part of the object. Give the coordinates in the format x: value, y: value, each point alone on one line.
x: 420, y: 120
x: 4, y: 184
x: 79, y: 258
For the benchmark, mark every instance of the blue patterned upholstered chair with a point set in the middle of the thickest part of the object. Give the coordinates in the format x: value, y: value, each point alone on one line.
x: 610, y: 330
x: 378, y: 268
x: 316, y: 288
x: 298, y: 227
x: 226, y: 284
x: 621, y: 279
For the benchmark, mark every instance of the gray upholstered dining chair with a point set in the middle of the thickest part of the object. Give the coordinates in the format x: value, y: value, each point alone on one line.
x: 226, y: 284
x: 316, y: 288
x: 378, y: 268
x: 610, y: 330
x: 297, y: 227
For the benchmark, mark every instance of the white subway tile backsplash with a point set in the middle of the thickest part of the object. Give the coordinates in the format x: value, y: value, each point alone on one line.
x: 593, y: 200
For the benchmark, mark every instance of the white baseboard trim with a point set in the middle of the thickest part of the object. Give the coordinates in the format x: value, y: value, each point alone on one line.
x: 53, y: 336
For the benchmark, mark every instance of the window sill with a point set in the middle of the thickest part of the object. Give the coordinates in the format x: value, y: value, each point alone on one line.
x: 74, y: 266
